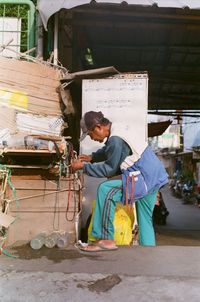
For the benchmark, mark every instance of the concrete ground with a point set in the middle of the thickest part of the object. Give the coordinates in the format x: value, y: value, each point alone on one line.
x: 183, y: 223
x: 168, y: 272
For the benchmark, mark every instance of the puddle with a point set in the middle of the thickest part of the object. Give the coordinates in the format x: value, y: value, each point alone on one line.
x: 55, y: 254
x: 105, y: 284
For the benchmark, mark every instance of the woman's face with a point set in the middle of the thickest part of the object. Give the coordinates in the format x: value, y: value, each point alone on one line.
x: 98, y: 134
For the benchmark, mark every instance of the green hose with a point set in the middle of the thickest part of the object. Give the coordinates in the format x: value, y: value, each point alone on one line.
x: 4, y: 252
x: 7, y: 254
x: 3, y: 167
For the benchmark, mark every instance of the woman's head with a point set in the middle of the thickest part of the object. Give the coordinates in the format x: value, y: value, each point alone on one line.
x: 95, y: 125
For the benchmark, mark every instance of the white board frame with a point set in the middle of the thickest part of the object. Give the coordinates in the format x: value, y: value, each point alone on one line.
x: 123, y: 100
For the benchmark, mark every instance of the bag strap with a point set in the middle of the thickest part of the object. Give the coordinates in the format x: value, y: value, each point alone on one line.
x: 129, y: 180
x: 132, y: 189
x: 126, y: 193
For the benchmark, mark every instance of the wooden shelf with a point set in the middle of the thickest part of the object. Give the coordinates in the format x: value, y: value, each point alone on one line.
x: 27, y: 151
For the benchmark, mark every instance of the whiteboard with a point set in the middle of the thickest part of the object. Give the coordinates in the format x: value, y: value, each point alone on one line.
x: 123, y: 100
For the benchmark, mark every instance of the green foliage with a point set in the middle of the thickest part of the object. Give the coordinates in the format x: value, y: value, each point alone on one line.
x: 14, y: 10
x: 188, y: 175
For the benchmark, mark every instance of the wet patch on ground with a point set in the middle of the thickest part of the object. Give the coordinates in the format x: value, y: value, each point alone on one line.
x: 102, y: 285
x: 55, y: 254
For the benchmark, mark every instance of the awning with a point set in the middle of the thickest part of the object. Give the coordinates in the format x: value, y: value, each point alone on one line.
x: 156, y: 129
x: 50, y: 7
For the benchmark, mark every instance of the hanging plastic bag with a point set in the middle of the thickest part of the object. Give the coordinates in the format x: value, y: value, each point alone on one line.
x: 123, y: 224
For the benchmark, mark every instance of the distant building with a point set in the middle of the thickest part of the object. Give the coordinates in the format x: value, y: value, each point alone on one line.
x: 191, y: 132
x: 168, y: 146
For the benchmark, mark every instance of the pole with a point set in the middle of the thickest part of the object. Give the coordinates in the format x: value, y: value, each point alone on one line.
x: 55, y: 51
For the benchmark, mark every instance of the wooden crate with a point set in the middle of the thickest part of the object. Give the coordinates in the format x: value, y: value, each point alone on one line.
x: 42, y: 206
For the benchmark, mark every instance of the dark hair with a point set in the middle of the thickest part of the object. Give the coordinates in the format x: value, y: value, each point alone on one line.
x: 104, y: 121
x: 90, y: 120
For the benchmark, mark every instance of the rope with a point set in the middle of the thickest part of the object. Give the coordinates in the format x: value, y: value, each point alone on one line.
x: 7, y: 180
x: 56, y: 206
x: 72, y: 156
x: 5, y: 252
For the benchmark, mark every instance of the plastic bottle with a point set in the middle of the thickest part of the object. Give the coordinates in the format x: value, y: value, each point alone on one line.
x: 38, y: 241
x: 63, y: 240
x: 51, y: 240
x: 72, y: 237
x: 32, y: 142
x: 14, y: 142
x: 38, y: 143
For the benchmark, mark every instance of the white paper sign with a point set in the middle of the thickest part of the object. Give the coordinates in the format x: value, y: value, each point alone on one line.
x: 121, y: 100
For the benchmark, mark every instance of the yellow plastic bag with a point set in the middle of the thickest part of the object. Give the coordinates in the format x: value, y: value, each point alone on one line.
x: 123, y: 224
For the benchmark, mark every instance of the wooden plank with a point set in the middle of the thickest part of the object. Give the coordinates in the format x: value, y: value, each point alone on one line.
x: 39, y: 209
x: 28, y: 151
x: 43, y: 167
x: 34, y: 92
x: 38, y: 101
x: 43, y: 213
x: 37, y: 81
x: 20, y: 183
x: 28, y: 225
x: 28, y: 80
x: 31, y: 68
x: 36, y: 194
x: 48, y: 201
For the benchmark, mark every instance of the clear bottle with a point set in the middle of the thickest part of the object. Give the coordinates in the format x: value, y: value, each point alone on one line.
x: 51, y: 240
x: 32, y: 142
x: 63, y: 240
x: 38, y: 143
x: 38, y: 241
x: 72, y: 237
x: 14, y: 142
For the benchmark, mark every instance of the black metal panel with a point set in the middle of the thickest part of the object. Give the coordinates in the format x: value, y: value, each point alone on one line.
x: 163, y: 42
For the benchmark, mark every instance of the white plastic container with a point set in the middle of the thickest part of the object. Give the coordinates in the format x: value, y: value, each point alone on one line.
x: 63, y: 240
x: 38, y: 241
x: 51, y: 240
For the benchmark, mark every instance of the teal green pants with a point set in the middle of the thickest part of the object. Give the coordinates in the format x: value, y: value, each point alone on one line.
x: 109, y: 193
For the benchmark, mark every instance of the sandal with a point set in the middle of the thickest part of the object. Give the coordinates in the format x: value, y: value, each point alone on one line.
x: 105, y: 245
x: 98, y: 246
x: 90, y: 249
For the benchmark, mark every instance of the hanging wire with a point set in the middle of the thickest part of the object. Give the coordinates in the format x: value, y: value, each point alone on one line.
x: 6, y: 173
x: 72, y: 156
x: 56, y: 206
x: 186, y: 123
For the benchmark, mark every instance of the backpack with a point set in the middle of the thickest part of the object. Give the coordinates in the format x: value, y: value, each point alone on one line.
x: 145, y: 176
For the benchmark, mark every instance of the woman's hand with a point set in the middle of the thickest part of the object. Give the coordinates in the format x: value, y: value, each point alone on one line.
x: 77, y: 165
x: 83, y: 157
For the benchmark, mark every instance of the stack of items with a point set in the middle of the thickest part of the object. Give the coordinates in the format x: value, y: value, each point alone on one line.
x: 29, y: 101
x: 36, y: 183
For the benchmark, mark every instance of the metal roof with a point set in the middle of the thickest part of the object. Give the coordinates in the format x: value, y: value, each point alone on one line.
x: 162, y: 39
x: 50, y: 7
